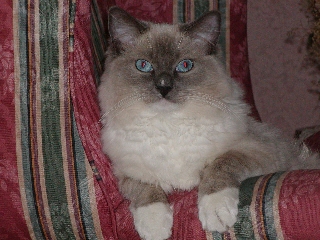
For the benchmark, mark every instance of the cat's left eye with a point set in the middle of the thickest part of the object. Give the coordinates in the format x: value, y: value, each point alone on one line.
x: 143, y: 65
x: 184, y: 66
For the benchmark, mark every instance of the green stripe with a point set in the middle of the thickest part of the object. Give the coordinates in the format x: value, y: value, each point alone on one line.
x: 95, y: 12
x: 82, y: 179
x: 222, y: 39
x: 217, y: 236
x: 50, y: 118
x: 201, y: 7
x: 99, y: 51
x: 98, y: 39
x: 24, y: 112
x: 80, y: 165
x: 180, y: 11
x: 243, y: 227
x: 268, y: 206
x: 72, y: 6
x: 51, y: 132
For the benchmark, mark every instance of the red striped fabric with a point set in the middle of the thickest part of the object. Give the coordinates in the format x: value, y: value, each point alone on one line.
x: 12, y: 221
x: 299, y: 205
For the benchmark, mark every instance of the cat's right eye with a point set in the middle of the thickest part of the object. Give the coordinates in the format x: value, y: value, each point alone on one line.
x: 184, y: 66
x: 143, y: 65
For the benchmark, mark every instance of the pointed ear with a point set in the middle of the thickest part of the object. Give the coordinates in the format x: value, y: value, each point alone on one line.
x: 123, y: 28
x: 205, y: 30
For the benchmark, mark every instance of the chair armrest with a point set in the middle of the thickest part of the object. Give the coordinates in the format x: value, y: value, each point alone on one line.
x: 282, y: 205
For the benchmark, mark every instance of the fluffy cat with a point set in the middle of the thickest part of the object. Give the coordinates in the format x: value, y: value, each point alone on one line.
x: 173, y: 119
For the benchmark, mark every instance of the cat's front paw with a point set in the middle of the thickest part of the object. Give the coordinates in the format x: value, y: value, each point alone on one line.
x: 154, y: 221
x: 218, y: 211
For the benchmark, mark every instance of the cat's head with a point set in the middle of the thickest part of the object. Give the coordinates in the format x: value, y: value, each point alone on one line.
x: 162, y: 62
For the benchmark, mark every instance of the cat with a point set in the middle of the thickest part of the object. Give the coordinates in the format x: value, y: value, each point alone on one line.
x: 173, y: 119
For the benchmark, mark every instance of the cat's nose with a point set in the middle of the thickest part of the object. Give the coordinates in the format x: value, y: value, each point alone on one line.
x: 164, y: 84
x: 164, y: 90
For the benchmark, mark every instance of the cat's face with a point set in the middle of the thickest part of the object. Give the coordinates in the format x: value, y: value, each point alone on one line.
x: 163, y: 63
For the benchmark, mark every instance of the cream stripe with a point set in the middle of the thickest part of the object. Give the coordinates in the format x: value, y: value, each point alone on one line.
x: 228, y: 37
x: 232, y: 234
x: 275, y: 209
x: 213, y: 5
x: 18, y: 118
x: 209, y: 235
x: 175, y: 12
x: 62, y: 77
x: 38, y: 117
x: 253, y: 210
x: 93, y: 203
x: 192, y: 11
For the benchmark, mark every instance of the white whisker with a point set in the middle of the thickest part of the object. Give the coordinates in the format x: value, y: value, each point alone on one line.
x: 122, y: 105
x: 218, y: 103
x: 132, y: 99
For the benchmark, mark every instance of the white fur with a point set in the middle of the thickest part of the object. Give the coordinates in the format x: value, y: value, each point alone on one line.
x: 154, y: 221
x: 218, y: 211
x: 168, y: 148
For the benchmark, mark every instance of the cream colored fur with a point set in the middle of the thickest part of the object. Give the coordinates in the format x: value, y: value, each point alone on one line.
x: 153, y: 221
x: 218, y: 211
x: 166, y: 149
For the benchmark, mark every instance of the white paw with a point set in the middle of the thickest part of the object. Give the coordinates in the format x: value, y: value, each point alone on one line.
x: 154, y: 221
x: 218, y: 211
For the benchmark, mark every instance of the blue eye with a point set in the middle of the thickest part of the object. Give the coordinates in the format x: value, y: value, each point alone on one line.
x: 184, y: 66
x: 144, y: 65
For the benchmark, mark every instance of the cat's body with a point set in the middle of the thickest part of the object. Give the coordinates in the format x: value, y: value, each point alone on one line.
x: 174, y: 120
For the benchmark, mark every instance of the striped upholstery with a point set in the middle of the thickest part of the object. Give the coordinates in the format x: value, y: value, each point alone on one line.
x: 55, y: 179
x: 55, y: 182
x: 283, y: 205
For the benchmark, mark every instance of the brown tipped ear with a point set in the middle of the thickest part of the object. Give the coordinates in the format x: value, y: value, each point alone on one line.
x: 205, y: 30
x: 123, y: 28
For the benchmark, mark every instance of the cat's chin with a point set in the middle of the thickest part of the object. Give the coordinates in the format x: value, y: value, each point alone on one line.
x: 165, y: 105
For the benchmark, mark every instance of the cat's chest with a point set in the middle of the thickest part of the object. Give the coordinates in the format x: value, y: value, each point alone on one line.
x: 169, y: 150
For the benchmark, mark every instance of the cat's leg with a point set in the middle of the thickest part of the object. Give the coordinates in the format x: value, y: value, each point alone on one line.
x: 152, y: 214
x: 218, y: 190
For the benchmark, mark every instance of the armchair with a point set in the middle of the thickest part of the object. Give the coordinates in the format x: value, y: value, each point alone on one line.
x: 55, y: 181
